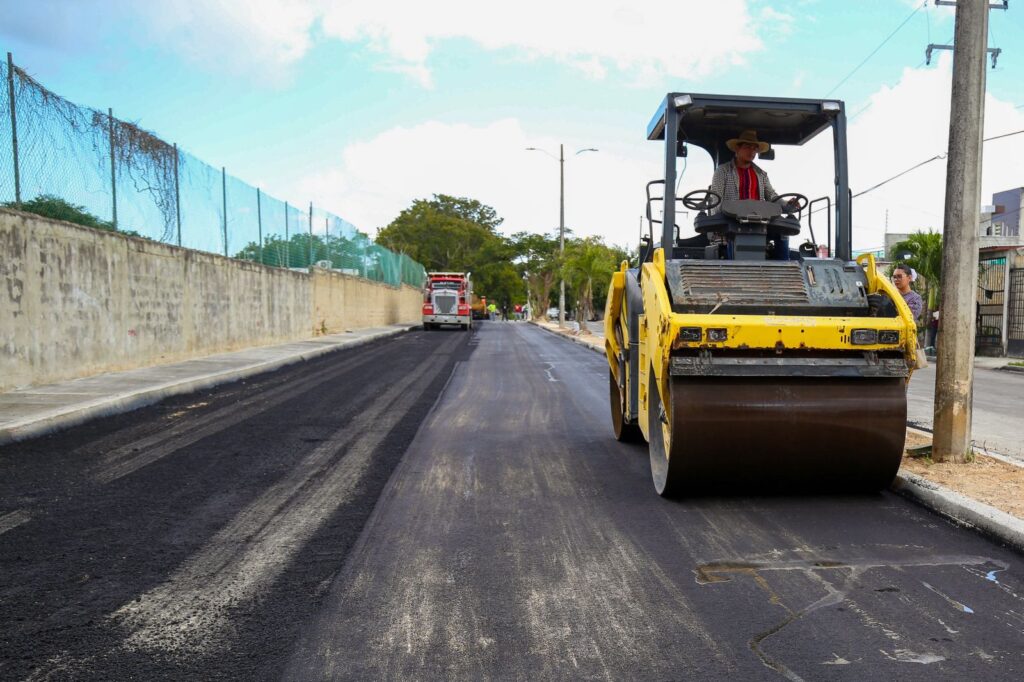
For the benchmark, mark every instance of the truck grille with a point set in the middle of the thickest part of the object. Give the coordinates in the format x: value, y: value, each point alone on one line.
x: 444, y: 304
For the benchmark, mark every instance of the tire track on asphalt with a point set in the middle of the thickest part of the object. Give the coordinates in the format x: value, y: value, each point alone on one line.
x: 496, y: 553
x: 140, y: 453
x: 189, y: 614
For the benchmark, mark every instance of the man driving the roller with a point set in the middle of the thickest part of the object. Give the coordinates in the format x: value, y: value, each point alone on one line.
x: 741, y: 178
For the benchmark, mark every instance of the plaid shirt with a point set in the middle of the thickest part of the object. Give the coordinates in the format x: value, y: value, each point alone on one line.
x: 726, y: 184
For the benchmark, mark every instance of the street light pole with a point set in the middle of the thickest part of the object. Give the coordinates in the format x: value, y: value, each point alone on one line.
x: 561, y: 220
x: 561, y: 233
x: 527, y: 309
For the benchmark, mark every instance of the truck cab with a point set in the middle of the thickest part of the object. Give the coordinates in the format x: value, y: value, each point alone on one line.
x: 447, y: 298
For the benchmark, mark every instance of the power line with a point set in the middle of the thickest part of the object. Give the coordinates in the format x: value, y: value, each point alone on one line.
x: 918, y: 165
x: 880, y: 46
x: 898, y: 175
x: 937, y: 156
x: 1016, y: 132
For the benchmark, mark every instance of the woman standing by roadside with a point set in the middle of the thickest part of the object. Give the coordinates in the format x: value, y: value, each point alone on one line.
x: 902, y: 276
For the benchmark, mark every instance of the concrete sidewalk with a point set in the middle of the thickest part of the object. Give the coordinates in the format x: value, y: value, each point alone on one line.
x: 34, y: 411
x: 960, y: 508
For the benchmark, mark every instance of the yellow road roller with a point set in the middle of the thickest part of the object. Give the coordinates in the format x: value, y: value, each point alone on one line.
x: 745, y: 363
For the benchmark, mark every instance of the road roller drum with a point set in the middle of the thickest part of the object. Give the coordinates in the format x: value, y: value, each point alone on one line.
x: 781, y: 434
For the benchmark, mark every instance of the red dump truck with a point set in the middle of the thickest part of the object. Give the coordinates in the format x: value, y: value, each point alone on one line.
x: 446, y: 300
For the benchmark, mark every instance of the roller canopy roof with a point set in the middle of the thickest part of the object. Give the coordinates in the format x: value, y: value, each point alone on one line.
x: 709, y: 120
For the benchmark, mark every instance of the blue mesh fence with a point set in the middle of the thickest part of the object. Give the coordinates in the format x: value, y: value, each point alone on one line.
x: 132, y: 181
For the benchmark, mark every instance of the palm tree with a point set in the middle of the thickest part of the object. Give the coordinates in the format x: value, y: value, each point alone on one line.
x: 924, y: 253
x: 586, y: 262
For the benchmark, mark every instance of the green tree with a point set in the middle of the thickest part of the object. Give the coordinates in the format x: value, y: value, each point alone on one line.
x: 541, y: 265
x: 588, y: 267
x: 51, y: 206
x: 458, y: 234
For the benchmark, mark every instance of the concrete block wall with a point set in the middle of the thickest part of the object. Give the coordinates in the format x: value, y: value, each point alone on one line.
x: 76, y: 301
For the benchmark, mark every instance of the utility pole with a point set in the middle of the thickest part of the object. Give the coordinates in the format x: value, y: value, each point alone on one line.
x: 954, y: 382
x: 561, y: 220
x: 561, y: 234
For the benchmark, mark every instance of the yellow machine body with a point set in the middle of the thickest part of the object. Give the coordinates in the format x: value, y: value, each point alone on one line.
x: 784, y: 336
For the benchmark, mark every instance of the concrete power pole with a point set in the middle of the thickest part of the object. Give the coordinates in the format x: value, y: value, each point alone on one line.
x: 954, y: 383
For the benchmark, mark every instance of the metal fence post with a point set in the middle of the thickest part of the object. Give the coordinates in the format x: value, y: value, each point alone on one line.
x: 310, y: 234
x: 224, y: 195
x: 14, y: 129
x: 113, y: 166
x: 259, y: 221
x: 177, y: 194
x: 287, y: 246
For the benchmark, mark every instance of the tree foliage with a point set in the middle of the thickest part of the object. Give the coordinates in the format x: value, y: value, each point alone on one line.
x: 302, y: 249
x: 51, y: 206
x: 540, y: 265
x: 587, y: 269
x: 458, y: 234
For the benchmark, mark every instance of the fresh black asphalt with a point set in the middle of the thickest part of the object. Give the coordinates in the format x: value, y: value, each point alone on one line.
x: 229, y: 535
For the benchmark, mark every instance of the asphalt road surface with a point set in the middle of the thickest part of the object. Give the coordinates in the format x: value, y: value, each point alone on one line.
x: 230, y: 536
x: 193, y: 539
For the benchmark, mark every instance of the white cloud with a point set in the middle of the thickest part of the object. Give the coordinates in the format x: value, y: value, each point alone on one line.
x: 255, y: 35
x: 678, y: 39
x: 669, y: 38
x: 379, y: 177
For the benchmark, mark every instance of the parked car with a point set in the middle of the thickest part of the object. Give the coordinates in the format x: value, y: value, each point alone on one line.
x: 553, y: 313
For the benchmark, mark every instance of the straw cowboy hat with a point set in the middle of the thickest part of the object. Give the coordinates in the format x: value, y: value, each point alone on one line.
x: 747, y: 136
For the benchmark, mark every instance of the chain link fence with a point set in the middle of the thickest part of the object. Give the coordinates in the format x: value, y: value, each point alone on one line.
x: 134, y: 182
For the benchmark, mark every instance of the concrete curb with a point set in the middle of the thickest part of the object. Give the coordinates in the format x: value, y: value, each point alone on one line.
x: 961, y: 509
x: 1011, y: 368
x: 60, y: 419
x: 570, y: 337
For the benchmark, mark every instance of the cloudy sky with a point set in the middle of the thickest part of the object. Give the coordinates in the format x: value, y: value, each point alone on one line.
x: 363, y: 107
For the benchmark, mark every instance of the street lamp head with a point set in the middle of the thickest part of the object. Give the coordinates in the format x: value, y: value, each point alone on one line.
x: 588, y: 149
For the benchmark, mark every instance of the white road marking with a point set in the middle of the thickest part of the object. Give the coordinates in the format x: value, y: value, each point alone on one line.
x: 547, y: 371
x: 13, y: 519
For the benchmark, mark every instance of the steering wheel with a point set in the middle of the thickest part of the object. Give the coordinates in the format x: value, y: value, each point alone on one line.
x: 704, y: 200
x: 801, y: 201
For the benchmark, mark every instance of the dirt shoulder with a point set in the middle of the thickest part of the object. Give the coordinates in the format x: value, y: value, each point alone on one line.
x: 985, y: 479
